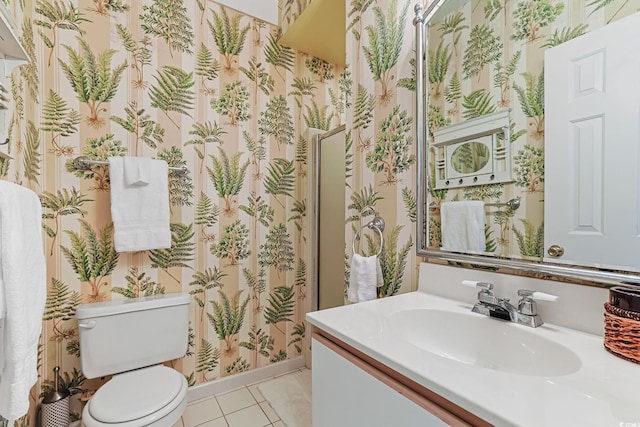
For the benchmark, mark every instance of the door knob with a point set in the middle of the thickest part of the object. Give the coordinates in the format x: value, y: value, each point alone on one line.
x: 555, y: 251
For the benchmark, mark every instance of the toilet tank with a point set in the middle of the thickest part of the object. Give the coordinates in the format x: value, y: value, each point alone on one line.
x: 121, y: 335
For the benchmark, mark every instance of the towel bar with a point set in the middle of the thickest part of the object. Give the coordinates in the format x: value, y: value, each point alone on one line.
x: 376, y: 224
x: 84, y: 163
x: 512, y: 204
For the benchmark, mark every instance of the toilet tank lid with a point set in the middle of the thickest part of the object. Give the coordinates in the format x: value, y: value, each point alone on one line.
x: 108, y: 308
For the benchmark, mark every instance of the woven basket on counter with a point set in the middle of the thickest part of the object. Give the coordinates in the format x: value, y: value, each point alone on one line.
x: 622, y: 332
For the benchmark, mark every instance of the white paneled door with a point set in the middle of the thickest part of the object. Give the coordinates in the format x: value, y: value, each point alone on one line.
x: 592, y: 140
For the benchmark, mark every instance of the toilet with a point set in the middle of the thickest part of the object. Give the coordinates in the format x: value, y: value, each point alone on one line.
x: 131, y: 338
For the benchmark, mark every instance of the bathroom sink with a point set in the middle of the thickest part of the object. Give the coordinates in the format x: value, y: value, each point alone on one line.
x: 484, y: 342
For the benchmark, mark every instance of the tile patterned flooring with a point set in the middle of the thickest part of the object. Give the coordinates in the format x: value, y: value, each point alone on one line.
x: 244, y: 407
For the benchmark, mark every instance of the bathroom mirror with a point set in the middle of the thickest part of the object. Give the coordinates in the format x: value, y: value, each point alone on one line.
x: 476, y: 59
x: 470, y: 157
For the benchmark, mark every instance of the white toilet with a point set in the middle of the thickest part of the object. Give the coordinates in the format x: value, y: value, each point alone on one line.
x: 130, y: 338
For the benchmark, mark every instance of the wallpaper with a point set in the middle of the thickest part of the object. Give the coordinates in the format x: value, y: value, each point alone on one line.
x: 488, y: 56
x: 196, y: 85
x: 202, y: 86
x: 380, y: 136
x: 289, y: 11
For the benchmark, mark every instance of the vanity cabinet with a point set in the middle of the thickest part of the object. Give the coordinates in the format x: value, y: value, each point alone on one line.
x: 352, y: 389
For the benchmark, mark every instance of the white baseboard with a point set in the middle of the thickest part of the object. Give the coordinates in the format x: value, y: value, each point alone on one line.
x: 233, y: 382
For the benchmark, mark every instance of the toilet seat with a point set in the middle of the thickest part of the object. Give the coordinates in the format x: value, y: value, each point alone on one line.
x: 148, y: 396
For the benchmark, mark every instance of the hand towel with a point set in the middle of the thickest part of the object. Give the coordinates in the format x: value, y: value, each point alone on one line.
x: 23, y: 288
x: 137, y: 170
x: 140, y: 213
x: 463, y: 226
x: 365, y: 277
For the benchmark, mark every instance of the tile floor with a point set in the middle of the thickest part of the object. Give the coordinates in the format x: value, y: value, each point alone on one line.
x: 244, y: 407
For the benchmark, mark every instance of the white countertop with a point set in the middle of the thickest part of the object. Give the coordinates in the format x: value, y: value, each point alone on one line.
x: 603, y: 391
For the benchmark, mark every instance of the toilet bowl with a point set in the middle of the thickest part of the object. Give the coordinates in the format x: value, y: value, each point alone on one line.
x: 154, y: 396
x: 130, y: 339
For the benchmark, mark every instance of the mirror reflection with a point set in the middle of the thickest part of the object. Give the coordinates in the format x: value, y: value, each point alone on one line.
x: 470, y: 157
x: 490, y: 56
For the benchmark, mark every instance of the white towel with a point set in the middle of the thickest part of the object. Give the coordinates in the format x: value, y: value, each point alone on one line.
x: 463, y: 226
x: 137, y: 171
x: 365, y: 277
x: 140, y: 213
x: 23, y: 289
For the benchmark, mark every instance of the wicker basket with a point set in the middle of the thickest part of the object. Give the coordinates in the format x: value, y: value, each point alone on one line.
x: 622, y: 332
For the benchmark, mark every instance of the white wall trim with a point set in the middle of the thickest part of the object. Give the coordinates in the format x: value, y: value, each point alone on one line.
x: 233, y: 382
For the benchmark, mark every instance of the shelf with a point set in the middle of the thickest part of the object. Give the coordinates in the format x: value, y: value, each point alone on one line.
x: 320, y: 31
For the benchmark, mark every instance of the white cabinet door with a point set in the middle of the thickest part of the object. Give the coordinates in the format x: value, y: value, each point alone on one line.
x: 592, y: 139
x: 345, y: 395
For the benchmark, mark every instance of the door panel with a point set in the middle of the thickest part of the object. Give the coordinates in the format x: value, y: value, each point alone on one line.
x: 331, y: 209
x: 592, y: 135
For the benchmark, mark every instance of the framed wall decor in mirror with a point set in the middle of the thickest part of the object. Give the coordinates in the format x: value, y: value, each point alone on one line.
x: 474, y: 59
x: 474, y: 152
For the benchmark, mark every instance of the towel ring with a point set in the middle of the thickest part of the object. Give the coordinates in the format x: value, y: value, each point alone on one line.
x: 376, y: 224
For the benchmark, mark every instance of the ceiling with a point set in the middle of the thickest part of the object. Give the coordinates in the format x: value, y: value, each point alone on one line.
x: 320, y: 31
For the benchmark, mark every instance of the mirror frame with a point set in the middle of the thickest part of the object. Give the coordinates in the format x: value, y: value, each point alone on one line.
x: 603, y: 277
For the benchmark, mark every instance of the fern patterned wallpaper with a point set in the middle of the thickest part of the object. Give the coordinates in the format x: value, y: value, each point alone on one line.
x: 197, y: 85
x: 376, y: 95
x: 211, y: 89
x: 487, y: 56
x: 380, y: 129
x: 289, y: 11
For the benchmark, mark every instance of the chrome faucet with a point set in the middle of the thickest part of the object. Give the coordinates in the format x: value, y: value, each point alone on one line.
x: 525, y: 313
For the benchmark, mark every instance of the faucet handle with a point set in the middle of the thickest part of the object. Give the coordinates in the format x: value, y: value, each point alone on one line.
x: 527, y: 305
x: 482, y: 286
x: 540, y: 296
